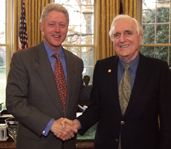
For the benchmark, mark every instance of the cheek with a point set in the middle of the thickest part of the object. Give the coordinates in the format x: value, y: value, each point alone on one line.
x: 135, y: 44
x: 116, y: 45
x: 64, y: 32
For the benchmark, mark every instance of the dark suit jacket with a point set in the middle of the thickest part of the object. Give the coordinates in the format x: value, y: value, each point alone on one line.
x: 32, y: 96
x: 150, y: 97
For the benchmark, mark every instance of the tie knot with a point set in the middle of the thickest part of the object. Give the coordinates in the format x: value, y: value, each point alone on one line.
x: 127, y: 66
x: 56, y: 55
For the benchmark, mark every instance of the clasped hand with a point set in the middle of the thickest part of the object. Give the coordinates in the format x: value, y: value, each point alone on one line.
x: 64, y: 128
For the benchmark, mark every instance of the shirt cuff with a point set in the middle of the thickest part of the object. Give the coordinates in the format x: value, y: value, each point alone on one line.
x: 47, y: 129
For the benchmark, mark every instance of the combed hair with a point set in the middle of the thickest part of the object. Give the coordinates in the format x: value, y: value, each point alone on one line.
x: 118, y: 17
x: 53, y: 6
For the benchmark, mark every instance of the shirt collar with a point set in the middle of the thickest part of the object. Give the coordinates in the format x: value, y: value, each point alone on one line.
x: 133, y: 64
x: 50, y: 52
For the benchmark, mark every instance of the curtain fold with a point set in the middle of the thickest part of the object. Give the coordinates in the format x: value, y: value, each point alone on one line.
x: 33, y: 9
x: 106, y: 11
x: 129, y: 7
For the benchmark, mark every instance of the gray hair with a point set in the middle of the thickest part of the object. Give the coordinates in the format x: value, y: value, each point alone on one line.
x: 118, y: 17
x: 53, y: 6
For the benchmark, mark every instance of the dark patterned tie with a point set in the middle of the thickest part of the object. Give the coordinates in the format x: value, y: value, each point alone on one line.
x: 125, y: 90
x: 60, y: 80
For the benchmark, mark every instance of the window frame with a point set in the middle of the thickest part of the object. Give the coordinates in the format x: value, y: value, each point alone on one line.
x: 8, y: 39
x: 139, y: 18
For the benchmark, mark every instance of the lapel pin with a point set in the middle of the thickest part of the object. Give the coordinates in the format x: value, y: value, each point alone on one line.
x: 109, y: 71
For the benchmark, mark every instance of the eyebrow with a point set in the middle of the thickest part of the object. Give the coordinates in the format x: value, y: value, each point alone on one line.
x: 116, y: 33
x: 128, y: 31
x: 124, y: 31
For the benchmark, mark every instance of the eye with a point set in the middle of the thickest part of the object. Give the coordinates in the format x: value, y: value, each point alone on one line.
x: 62, y: 25
x: 128, y: 33
x: 51, y: 24
x: 117, y: 35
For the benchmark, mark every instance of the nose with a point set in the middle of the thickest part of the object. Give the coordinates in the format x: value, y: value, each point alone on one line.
x: 57, y: 28
x: 122, y: 38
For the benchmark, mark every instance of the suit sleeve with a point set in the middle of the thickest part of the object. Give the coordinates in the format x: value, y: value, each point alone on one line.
x: 165, y: 107
x: 17, y: 93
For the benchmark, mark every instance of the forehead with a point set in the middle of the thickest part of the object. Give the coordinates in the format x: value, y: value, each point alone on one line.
x: 53, y: 14
x: 124, y: 24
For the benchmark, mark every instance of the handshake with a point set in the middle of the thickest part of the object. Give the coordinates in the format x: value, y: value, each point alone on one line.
x: 64, y: 128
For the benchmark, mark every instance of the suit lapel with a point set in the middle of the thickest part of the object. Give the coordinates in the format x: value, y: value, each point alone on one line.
x: 71, y: 78
x: 47, y: 76
x: 111, y: 69
x: 142, y: 74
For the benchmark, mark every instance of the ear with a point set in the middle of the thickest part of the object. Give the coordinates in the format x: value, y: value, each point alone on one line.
x: 140, y: 38
x: 41, y: 27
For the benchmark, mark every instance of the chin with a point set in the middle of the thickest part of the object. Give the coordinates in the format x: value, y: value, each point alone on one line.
x: 123, y: 54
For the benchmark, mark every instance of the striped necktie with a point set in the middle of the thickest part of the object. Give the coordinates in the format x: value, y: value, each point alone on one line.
x: 125, y: 90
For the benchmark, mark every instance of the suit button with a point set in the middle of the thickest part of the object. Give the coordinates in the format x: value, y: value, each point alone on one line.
x: 116, y: 140
x: 122, y: 122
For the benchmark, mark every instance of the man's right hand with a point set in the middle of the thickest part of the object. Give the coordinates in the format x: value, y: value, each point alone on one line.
x: 63, y: 129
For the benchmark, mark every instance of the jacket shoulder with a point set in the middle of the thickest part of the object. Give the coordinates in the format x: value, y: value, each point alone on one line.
x: 108, y: 60
x: 152, y: 61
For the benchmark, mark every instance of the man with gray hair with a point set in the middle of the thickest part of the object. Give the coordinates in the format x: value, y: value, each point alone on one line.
x: 44, y: 84
x: 131, y: 95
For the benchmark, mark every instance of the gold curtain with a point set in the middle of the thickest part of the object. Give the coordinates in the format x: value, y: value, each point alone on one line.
x: 33, y: 9
x: 106, y: 11
x: 129, y: 7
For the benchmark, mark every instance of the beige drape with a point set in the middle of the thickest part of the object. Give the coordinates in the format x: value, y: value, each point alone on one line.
x: 33, y: 10
x: 129, y: 7
x: 106, y: 11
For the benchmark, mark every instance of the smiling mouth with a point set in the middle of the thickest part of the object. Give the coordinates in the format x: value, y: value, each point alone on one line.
x: 124, y: 46
x: 56, y: 36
